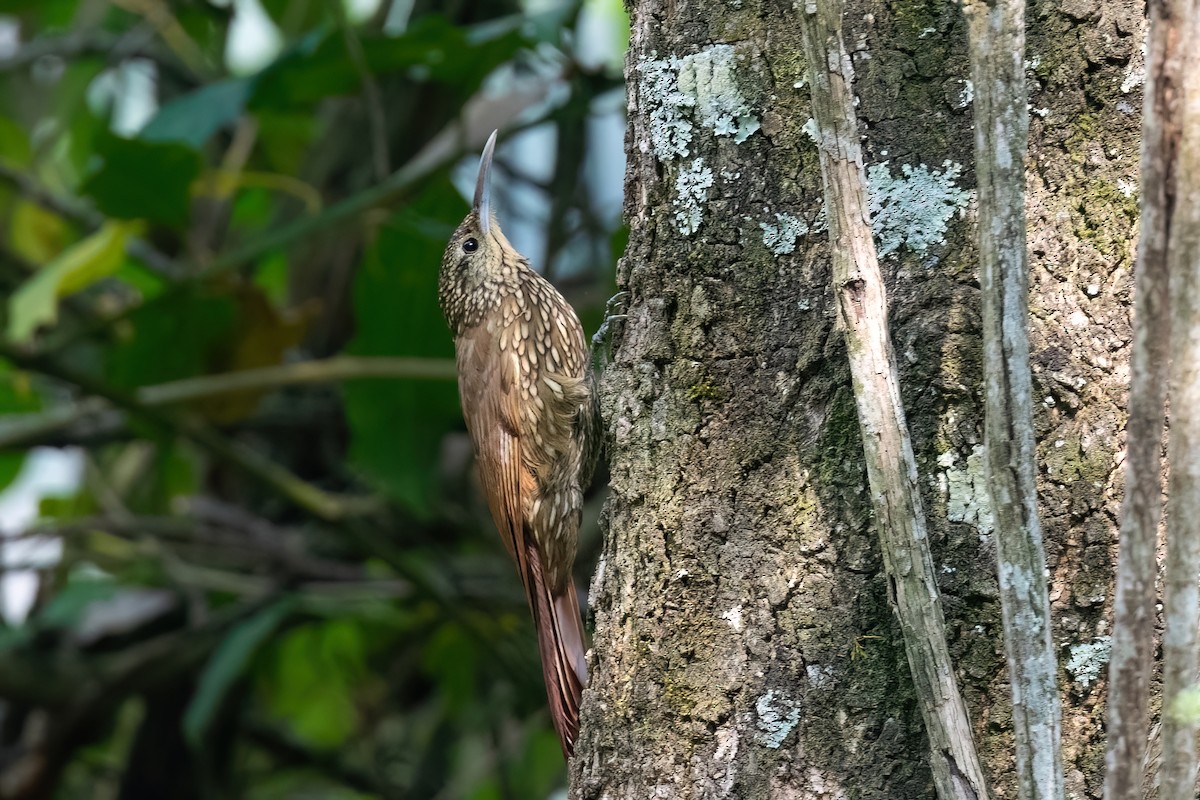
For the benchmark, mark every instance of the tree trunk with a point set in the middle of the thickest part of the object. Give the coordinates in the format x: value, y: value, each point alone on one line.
x: 744, y: 644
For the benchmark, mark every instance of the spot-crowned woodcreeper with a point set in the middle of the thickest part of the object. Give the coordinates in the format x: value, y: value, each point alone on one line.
x: 528, y: 394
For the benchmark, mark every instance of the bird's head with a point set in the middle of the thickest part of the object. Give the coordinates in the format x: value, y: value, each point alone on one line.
x: 478, y: 248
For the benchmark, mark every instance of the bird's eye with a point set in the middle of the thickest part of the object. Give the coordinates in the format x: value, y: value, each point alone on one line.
x: 470, y: 246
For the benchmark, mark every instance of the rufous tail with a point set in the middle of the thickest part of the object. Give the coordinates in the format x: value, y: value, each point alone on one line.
x: 561, y: 646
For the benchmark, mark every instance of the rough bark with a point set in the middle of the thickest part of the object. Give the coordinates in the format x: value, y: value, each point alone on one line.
x: 744, y: 645
x: 1137, y: 567
x: 1181, y: 598
x: 891, y: 467
x: 997, y: 44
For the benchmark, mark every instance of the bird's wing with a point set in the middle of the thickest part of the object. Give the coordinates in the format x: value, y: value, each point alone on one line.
x: 490, y: 390
x: 488, y: 386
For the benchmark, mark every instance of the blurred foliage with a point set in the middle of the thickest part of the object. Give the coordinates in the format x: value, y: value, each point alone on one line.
x: 287, y: 587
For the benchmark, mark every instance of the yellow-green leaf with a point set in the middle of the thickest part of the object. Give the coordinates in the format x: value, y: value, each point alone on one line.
x: 38, y: 235
x: 36, y: 301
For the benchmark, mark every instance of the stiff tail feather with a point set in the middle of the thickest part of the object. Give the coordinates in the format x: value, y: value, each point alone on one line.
x: 561, y: 646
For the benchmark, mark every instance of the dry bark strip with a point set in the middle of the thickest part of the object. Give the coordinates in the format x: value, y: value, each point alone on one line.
x: 891, y: 467
x: 1133, y: 623
x: 996, y: 31
x: 1177, y: 780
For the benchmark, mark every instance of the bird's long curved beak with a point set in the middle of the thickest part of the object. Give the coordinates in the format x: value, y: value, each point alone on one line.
x: 483, y: 186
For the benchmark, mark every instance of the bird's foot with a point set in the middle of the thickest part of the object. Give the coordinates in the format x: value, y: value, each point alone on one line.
x: 602, y: 341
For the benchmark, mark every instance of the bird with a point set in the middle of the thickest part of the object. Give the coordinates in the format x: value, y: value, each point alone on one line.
x: 528, y: 394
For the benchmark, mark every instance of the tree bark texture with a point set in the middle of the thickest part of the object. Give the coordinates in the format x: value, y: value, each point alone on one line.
x: 887, y: 447
x: 744, y: 645
x: 996, y: 31
x: 1182, y: 600
x: 1137, y: 570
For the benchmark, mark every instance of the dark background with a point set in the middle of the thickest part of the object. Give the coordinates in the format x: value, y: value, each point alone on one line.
x: 292, y: 590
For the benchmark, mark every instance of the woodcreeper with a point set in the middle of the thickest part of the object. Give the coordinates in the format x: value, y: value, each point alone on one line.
x: 528, y: 395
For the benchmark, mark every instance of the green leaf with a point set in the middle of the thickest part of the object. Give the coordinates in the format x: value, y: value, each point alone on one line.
x: 311, y: 684
x: 541, y: 767
x: 171, y: 339
x: 36, y: 301
x: 13, y: 638
x: 11, y: 465
x: 137, y: 179
x: 291, y: 16
x: 450, y: 657
x: 194, y: 117
x: 14, y: 143
x: 16, y: 397
x: 43, y: 15
x: 397, y: 426
x: 68, y: 606
x: 226, y: 666
x: 432, y: 48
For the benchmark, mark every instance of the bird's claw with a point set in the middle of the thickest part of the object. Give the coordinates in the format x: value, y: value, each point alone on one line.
x: 602, y: 340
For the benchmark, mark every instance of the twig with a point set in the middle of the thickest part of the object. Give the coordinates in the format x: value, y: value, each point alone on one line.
x: 373, y: 98
x: 137, y: 43
x: 19, y: 430
x: 330, y: 370
x: 269, y: 546
x: 158, y: 14
x: 891, y: 468
x: 210, y: 218
x: 1128, y: 718
x: 288, y: 752
x: 996, y: 31
x: 1181, y: 601
x: 315, y: 501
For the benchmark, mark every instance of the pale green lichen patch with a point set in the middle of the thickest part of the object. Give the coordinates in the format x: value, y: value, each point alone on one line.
x: 1186, y: 707
x: 684, y: 94
x: 780, y: 236
x: 913, y: 208
x: 670, y: 130
x: 691, y: 190
x: 965, y: 489
x: 777, y: 716
x: 1088, y: 659
x: 966, y: 95
x: 708, y: 78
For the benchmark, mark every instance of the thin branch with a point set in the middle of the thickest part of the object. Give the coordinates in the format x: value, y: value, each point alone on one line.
x: 137, y: 43
x: 269, y: 546
x: 315, y: 501
x: 996, y: 32
x: 158, y: 14
x: 373, y: 98
x: 286, y: 751
x: 18, y: 431
x: 891, y: 467
x: 1181, y: 600
x: 1129, y: 670
x: 330, y: 370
